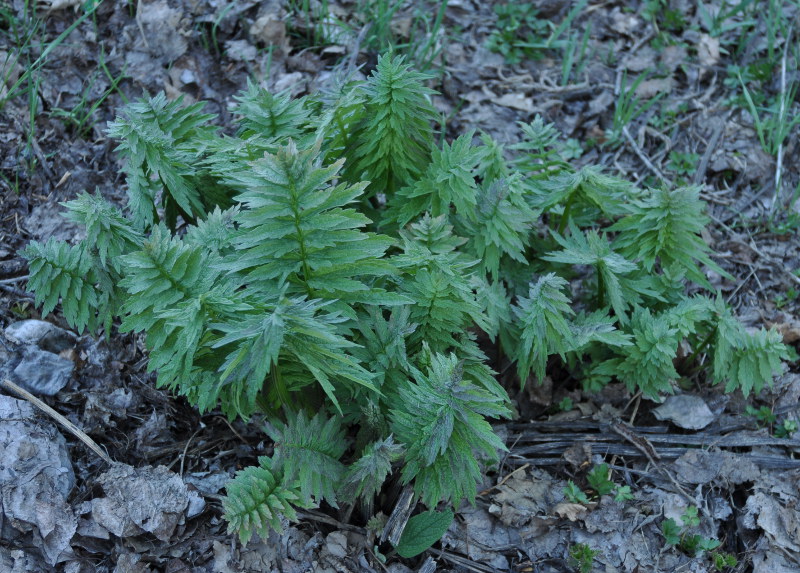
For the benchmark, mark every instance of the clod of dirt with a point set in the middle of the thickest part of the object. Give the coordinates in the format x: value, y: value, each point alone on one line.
x: 144, y: 500
x: 36, y: 478
x: 685, y: 411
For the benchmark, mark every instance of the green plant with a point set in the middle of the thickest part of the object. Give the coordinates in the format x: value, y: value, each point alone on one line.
x: 582, y: 556
x: 520, y: 34
x: 573, y: 493
x: 763, y: 415
x: 27, y: 49
x: 600, y: 482
x: 422, y: 531
x: 314, y: 268
x: 782, y: 299
x: 373, y: 23
x: 566, y: 404
x: 692, y: 544
x: 722, y: 560
x: 627, y: 107
x: 786, y: 429
x: 682, y: 163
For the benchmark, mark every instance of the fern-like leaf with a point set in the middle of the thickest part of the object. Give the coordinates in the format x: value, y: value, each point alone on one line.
x: 366, y: 476
x: 108, y: 232
x: 441, y: 422
x: 665, y: 228
x: 296, y: 227
x: 503, y: 222
x: 647, y: 364
x: 593, y: 249
x: 745, y: 361
x: 544, y: 316
x: 448, y: 184
x: 273, y: 117
x: 58, y: 271
x: 257, y: 498
x: 152, y: 135
x: 539, y: 156
x: 587, y: 187
x: 393, y: 143
x: 309, y: 450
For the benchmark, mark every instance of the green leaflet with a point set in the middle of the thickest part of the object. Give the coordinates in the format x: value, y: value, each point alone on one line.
x: 422, y: 531
x: 393, y: 140
x: 441, y: 422
x: 59, y: 271
x: 308, y: 450
x: 257, y: 498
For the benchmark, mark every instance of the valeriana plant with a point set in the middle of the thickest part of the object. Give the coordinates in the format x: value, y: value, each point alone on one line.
x: 335, y: 270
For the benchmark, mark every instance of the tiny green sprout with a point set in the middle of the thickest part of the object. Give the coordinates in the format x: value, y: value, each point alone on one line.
x: 690, y: 517
x: 696, y: 544
x: 723, y: 560
x: 566, y: 405
x: 581, y: 557
x: 623, y: 493
x: 786, y: 429
x: 571, y: 149
x: 671, y: 531
x: 598, y: 479
x: 763, y: 415
x: 682, y: 163
x: 573, y: 493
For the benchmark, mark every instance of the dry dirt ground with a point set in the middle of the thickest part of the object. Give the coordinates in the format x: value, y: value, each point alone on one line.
x: 157, y: 507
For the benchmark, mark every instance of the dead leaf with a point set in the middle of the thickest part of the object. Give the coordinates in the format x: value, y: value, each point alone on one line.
x: 625, y: 23
x: 685, y: 411
x: 707, y: 50
x: 571, y: 511
x: 516, y: 101
x: 269, y: 30
x: 138, y: 500
x: 779, y: 522
x: 651, y: 88
x: 240, y: 50
x: 578, y: 454
x: 642, y: 59
x: 673, y: 56
x: 36, y: 478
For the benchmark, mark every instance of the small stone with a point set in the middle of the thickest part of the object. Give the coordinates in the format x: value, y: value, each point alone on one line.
x: 40, y: 333
x: 41, y: 372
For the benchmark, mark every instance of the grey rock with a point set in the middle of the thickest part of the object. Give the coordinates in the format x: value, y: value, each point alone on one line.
x: 42, y: 372
x: 40, y: 333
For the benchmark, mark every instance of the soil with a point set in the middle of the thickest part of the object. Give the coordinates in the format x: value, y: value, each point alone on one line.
x: 156, y: 507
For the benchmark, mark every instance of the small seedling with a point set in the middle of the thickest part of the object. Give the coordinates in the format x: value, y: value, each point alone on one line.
x: 722, y: 560
x: 581, y: 556
x: 683, y: 163
x: 680, y: 535
x: 565, y: 405
x: 763, y: 415
x: 626, y: 109
x: 574, y: 494
x: 671, y: 531
x: 623, y: 494
x: 599, y: 480
x: 786, y: 429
